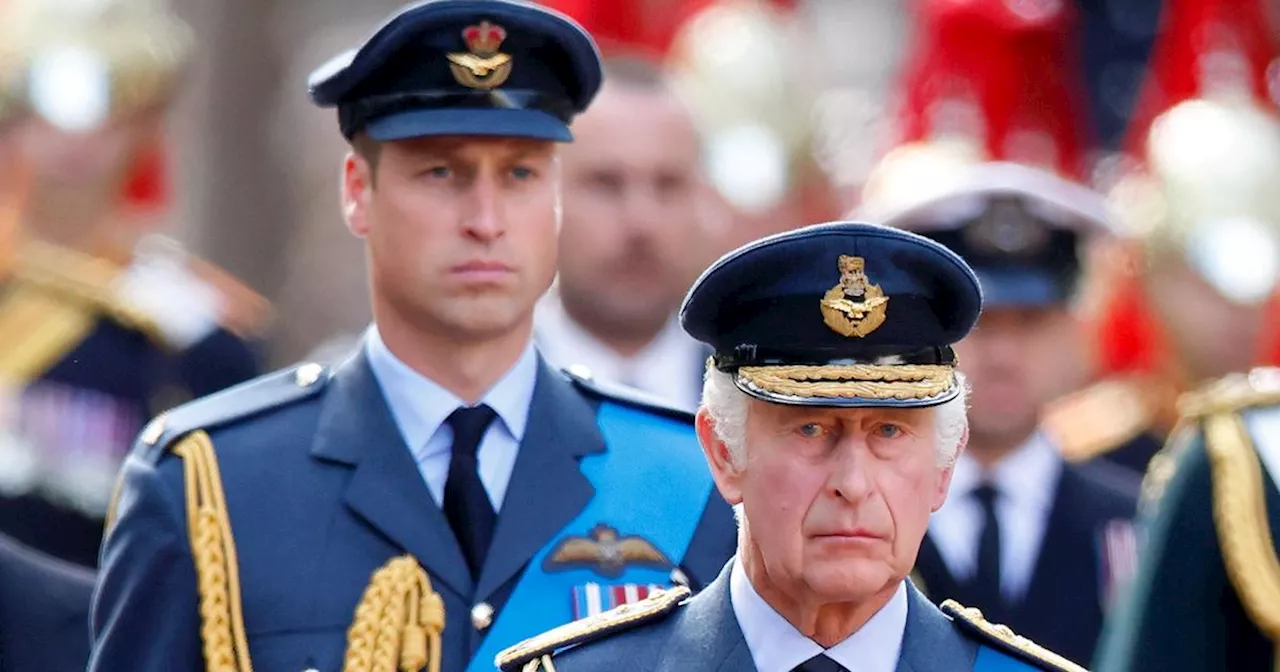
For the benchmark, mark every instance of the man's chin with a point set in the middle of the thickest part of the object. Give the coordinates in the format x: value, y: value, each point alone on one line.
x: 853, y: 581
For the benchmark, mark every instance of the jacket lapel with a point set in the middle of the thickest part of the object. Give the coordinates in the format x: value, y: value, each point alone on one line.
x: 356, y: 429
x: 706, y: 635
x: 930, y: 642
x: 547, y: 488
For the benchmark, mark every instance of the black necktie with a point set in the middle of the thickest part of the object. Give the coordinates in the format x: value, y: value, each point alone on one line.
x: 819, y: 663
x: 466, y: 503
x: 986, y: 580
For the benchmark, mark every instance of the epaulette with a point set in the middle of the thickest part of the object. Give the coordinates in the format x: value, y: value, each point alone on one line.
x: 581, y: 377
x: 590, y: 629
x: 234, y: 403
x: 1001, y: 638
x: 1235, y: 392
x: 1098, y: 419
x: 78, y: 277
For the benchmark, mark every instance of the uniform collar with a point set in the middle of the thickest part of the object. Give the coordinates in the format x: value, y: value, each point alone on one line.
x: 420, y: 405
x: 776, y: 645
x: 565, y: 342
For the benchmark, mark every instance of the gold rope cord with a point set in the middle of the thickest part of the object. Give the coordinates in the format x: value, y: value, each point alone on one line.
x: 398, y: 622
x: 226, y: 649
x: 1240, y: 512
x: 867, y: 381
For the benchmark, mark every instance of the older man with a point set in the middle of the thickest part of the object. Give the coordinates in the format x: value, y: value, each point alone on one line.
x: 831, y: 420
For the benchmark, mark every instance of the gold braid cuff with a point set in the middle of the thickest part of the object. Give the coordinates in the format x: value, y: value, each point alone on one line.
x: 862, y: 381
x: 226, y: 649
x: 1240, y: 514
x: 398, y: 622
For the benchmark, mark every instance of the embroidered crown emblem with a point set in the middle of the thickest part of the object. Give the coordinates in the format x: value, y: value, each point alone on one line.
x: 483, y: 66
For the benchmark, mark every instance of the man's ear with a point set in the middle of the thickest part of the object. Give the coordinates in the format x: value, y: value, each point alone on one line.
x: 726, y: 473
x: 357, y: 186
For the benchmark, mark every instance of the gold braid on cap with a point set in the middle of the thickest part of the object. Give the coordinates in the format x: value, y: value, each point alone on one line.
x: 398, y: 622
x: 226, y: 649
x: 862, y: 381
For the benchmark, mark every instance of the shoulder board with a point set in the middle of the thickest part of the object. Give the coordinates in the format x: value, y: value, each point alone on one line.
x: 601, y: 389
x: 593, y: 628
x: 1001, y: 638
x: 1236, y: 392
x: 234, y: 403
x: 1097, y: 419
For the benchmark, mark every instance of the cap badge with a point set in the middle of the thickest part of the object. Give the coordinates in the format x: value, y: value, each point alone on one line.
x: 855, y: 307
x: 1007, y: 228
x: 482, y: 66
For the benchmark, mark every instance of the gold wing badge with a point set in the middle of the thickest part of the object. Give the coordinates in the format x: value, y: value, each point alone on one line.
x: 855, y: 307
x: 482, y: 66
x: 605, y: 552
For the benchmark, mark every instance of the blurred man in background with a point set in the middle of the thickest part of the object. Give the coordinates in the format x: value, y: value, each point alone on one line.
x: 1207, y: 192
x: 1035, y: 542
x: 1193, y: 296
x: 101, y: 324
x: 631, y: 235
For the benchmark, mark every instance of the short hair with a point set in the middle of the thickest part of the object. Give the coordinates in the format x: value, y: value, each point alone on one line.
x: 370, y: 150
x: 728, y: 407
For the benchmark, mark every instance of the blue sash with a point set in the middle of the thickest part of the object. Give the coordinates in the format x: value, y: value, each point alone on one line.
x: 991, y: 660
x: 652, y: 481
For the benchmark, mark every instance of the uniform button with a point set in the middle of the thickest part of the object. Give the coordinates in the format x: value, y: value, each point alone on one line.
x: 308, y: 374
x: 481, y: 616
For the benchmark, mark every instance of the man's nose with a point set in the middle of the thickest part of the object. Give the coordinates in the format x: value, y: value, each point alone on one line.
x: 849, y: 478
x: 486, y: 219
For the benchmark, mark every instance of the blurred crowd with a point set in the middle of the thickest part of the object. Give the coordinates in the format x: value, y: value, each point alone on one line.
x: 169, y: 228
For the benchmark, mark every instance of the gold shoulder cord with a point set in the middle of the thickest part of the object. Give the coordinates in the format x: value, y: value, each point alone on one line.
x: 1240, y: 511
x: 398, y: 622
x: 226, y: 649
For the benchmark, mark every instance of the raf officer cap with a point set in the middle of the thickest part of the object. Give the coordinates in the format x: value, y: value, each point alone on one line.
x: 839, y: 314
x: 1019, y: 227
x: 463, y: 67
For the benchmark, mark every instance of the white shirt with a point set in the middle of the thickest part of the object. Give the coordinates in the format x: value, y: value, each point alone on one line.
x: 1026, y: 481
x: 420, y: 408
x: 668, y: 367
x: 776, y: 645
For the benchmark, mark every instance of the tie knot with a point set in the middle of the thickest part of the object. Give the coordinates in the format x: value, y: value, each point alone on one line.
x: 469, y: 424
x: 986, y: 495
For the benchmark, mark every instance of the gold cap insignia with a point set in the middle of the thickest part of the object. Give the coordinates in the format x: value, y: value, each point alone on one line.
x: 855, y: 307
x: 482, y: 66
x: 606, y: 553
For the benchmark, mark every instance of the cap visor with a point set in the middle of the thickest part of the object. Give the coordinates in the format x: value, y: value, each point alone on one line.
x: 531, y: 124
x: 832, y: 398
x: 1020, y: 288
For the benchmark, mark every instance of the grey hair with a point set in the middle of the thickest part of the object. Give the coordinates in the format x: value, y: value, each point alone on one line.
x: 728, y: 407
